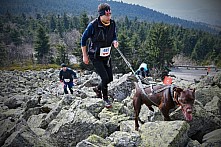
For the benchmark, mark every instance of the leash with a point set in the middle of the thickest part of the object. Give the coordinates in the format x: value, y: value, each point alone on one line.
x: 138, y: 78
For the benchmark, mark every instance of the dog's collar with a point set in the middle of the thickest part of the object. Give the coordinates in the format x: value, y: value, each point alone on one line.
x: 174, y: 95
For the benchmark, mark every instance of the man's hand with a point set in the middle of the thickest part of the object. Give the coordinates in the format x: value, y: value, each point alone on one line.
x: 75, y: 81
x: 85, y: 59
x: 115, y: 43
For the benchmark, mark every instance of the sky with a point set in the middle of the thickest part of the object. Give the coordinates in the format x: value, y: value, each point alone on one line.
x: 207, y: 11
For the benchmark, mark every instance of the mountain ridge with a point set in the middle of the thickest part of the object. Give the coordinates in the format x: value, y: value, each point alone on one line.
x: 76, y: 7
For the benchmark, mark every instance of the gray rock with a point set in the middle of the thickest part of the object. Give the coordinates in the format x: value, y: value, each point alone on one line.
x: 164, y: 133
x: 13, y: 103
x: 124, y: 139
x: 36, y: 121
x: 94, y: 141
x: 212, y: 139
x: 213, y: 106
x: 121, y: 88
x: 24, y: 136
x: 5, y: 127
x: 75, y: 126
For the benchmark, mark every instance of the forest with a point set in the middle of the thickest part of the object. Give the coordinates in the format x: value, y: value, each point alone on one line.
x: 55, y: 38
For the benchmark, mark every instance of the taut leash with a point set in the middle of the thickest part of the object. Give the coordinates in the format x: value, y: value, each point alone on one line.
x: 138, y: 78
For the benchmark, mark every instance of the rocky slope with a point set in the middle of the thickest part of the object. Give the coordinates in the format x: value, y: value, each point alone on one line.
x: 35, y: 112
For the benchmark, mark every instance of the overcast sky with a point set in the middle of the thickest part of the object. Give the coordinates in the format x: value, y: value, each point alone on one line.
x: 208, y: 11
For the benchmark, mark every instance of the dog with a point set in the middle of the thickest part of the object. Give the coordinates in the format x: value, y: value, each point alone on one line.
x: 165, y: 97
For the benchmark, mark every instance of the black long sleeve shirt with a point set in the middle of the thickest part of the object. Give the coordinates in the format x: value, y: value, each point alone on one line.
x: 68, y: 74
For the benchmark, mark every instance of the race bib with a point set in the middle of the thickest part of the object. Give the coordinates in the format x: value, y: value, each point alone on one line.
x: 67, y: 80
x: 105, y: 51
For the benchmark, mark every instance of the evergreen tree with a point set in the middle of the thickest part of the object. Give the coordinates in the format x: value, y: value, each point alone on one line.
x: 42, y: 46
x: 62, y: 56
x: 16, y: 37
x: 60, y: 28
x: 160, y: 45
x: 3, y: 55
x: 66, y: 22
x: 84, y: 20
x: 52, y: 23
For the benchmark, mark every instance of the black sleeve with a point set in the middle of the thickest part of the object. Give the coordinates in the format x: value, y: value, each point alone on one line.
x: 147, y: 73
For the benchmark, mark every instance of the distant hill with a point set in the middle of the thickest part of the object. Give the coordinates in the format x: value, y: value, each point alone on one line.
x: 76, y: 7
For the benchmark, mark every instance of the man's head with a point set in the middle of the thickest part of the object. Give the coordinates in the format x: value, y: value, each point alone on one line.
x: 64, y: 66
x: 104, y: 13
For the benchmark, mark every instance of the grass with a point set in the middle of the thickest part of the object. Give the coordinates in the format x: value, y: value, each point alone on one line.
x: 36, y: 67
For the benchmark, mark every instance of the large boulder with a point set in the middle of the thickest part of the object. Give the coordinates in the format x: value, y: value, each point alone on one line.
x: 21, y: 135
x: 120, y: 88
x: 164, y: 133
x: 74, y: 126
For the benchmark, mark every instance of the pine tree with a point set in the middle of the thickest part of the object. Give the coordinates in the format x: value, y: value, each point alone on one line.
x: 62, y: 56
x: 52, y: 23
x: 42, y: 46
x: 160, y: 45
x: 84, y: 20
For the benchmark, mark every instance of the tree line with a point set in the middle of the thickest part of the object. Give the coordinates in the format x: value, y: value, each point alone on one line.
x: 52, y: 38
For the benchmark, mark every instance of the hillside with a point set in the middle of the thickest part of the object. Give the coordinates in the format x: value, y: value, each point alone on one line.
x: 76, y: 7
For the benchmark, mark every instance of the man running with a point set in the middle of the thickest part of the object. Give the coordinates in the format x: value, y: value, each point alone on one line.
x: 67, y: 76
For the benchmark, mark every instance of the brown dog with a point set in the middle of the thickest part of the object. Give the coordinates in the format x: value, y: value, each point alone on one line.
x: 165, y: 97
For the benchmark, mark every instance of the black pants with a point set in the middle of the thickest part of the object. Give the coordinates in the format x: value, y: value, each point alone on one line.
x: 104, y: 70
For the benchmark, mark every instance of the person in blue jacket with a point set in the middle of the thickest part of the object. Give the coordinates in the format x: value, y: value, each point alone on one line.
x: 67, y: 76
x: 102, y: 34
x: 142, y: 71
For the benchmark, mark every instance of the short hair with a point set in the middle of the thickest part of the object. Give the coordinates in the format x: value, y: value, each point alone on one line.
x: 103, y: 6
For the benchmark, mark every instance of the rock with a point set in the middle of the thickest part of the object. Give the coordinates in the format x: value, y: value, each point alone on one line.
x: 32, y: 103
x: 13, y: 103
x: 36, y: 121
x: 30, y: 112
x: 5, y: 126
x: 75, y: 126
x: 121, y: 88
x: 212, y: 138
x: 93, y: 105
x: 112, y: 117
x: 124, y: 139
x: 164, y: 133
x: 213, y: 106
x: 24, y: 136
x: 93, y: 141
x: 127, y: 126
x: 193, y: 143
x: 205, y: 95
